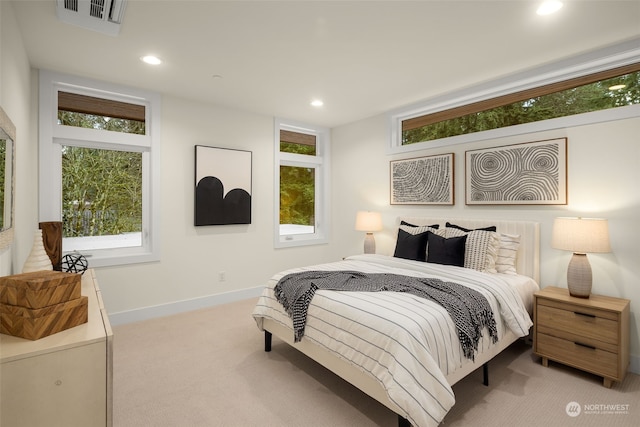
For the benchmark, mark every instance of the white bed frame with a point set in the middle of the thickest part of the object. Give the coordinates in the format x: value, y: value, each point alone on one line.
x: 527, y: 263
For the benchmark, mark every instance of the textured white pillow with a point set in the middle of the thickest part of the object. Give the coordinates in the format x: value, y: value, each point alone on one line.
x: 417, y: 229
x: 481, y: 251
x: 506, y: 261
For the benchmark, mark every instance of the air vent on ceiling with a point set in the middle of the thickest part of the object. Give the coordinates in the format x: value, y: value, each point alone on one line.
x: 104, y: 16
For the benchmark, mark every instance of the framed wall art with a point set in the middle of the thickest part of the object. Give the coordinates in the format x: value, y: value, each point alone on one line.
x: 223, y: 186
x: 533, y: 173
x: 422, y: 181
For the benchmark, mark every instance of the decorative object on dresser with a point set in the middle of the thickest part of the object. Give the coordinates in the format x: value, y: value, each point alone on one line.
x: 37, y: 260
x: 74, y: 263
x: 369, y: 222
x: 52, y: 239
x: 41, y: 303
x: 588, y: 334
x: 580, y: 236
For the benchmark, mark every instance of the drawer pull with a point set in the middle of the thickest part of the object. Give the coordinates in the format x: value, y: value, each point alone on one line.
x: 585, y: 345
x: 584, y: 314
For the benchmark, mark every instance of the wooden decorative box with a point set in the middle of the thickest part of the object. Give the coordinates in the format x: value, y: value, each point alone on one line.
x: 40, y: 289
x: 37, y: 323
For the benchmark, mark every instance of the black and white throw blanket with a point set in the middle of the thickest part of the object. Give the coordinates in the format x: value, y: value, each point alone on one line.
x: 468, y: 308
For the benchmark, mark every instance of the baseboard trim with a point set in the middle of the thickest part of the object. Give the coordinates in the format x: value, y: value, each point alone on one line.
x: 144, y: 313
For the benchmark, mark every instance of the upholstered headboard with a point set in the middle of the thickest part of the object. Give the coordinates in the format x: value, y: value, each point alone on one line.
x: 528, y: 254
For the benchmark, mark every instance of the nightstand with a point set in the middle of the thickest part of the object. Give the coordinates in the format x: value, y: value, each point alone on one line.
x: 591, y: 334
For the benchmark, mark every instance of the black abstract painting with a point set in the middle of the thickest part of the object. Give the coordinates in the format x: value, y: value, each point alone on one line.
x: 533, y: 173
x: 223, y: 186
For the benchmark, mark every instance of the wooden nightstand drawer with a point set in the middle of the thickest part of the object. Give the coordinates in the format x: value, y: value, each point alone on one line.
x: 591, y: 334
x: 573, y: 337
x: 578, y: 355
x: 579, y: 321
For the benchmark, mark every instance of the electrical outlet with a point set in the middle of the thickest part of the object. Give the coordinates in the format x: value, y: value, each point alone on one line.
x: 222, y: 276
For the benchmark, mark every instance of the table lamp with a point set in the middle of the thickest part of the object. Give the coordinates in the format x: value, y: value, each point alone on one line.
x: 369, y: 222
x: 580, y: 236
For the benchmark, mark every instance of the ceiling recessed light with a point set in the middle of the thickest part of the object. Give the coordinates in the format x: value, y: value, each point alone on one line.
x: 150, y: 59
x: 317, y: 103
x: 617, y: 87
x: 549, y: 6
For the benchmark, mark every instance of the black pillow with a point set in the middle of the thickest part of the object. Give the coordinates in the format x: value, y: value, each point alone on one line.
x: 435, y: 226
x: 446, y: 251
x: 490, y: 228
x: 411, y: 246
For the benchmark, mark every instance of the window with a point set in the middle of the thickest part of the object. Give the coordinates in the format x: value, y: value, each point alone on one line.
x: 302, y: 180
x: 582, y: 90
x: 99, y: 160
x: 601, y: 91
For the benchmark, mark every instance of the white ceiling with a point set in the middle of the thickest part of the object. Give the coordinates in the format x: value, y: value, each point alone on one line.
x: 362, y: 58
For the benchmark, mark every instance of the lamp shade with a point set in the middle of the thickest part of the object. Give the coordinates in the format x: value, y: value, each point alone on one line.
x: 581, y: 235
x: 368, y: 221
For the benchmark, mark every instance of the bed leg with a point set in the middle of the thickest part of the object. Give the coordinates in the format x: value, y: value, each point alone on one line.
x: 485, y: 374
x: 403, y: 422
x: 267, y: 341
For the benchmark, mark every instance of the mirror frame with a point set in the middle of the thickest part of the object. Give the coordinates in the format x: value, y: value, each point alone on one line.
x: 8, y: 128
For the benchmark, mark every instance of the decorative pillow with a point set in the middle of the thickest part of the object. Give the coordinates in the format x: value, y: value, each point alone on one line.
x: 418, y: 229
x: 506, y: 261
x: 446, y: 251
x: 481, y: 250
x: 490, y: 228
x: 411, y: 246
x: 406, y: 224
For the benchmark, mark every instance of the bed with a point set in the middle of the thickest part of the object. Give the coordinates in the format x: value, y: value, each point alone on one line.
x: 401, y: 349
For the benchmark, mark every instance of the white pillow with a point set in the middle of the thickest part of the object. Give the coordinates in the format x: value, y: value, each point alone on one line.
x: 417, y: 229
x: 506, y: 261
x: 481, y: 251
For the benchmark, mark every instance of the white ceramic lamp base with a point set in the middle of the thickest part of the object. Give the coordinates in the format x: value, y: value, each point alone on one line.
x: 579, y: 276
x: 369, y: 244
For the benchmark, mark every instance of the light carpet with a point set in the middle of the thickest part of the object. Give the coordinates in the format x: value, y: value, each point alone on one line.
x: 208, y: 368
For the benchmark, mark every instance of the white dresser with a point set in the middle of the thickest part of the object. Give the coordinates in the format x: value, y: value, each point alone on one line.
x: 65, y: 379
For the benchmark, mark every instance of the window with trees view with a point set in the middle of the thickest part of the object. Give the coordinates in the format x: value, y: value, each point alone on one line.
x: 100, y: 157
x: 301, y: 177
x: 536, y: 105
x: 557, y: 101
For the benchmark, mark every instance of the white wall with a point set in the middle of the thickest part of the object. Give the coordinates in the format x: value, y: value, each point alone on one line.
x: 193, y: 257
x: 16, y: 100
x: 603, y: 179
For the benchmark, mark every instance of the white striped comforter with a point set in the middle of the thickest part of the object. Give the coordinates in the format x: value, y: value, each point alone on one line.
x: 409, y: 344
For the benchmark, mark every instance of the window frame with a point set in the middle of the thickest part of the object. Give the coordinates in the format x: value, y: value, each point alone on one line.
x: 320, y: 162
x: 577, y: 67
x: 53, y: 136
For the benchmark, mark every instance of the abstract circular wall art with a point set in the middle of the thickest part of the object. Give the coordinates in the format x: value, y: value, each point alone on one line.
x: 533, y: 173
x: 422, y: 181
